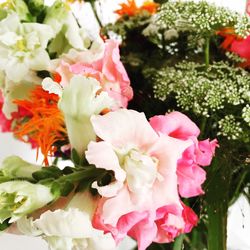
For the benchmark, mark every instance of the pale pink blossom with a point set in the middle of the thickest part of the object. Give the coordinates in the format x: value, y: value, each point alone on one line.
x: 144, y: 165
x: 190, y: 175
x: 107, y: 69
x: 162, y: 225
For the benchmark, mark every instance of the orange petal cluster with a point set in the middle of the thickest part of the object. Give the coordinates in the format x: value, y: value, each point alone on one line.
x: 230, y: 37
x: 131, y: 9
x: 46, y: 124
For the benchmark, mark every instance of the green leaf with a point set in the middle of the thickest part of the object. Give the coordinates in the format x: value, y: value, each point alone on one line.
x: 56, y: 189
x: 75, y: 157
x: 66, y: 188
x: 83, y: 185
x: 47, y: 172
x: 4, y: 225
x: 68, y: 170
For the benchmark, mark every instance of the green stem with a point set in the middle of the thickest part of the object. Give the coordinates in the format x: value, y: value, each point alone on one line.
x: 88, y: 173
x: 95, y: 13
x: 217, y: 199
x: 207, y: 51
x: 178, y: 243
x: 203, y: 126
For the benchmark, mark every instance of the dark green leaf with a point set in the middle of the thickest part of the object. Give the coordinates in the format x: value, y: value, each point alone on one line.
x: 66, y: 188
x: 75, y: 157
x: 83, y: 185
x: 4, y: 225
x: 68, y: 170
x: 47, y: 172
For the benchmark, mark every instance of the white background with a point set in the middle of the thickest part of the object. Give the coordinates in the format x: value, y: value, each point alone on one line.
x: 239, y: 214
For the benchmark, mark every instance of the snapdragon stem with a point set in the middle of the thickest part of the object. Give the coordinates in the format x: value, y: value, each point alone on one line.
x: 178, y: 243
x: 207, y: 51
x: 82, y: 174
x: 217, y: 199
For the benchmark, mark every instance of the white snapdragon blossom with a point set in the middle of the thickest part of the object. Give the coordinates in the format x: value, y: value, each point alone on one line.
x: 19, y: 198
x: 23, y: 47
x: 68, y: 33
x: 69, y: 229
x: 80, y: 99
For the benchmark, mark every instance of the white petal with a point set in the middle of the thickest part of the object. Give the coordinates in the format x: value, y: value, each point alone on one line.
x: 72, y: 224
x: 39, y: 60
x: 16, y: 70
x: 52, y: 87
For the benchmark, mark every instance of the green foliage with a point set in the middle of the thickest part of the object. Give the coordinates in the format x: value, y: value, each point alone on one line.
x: 126, y: 24
x: 4, y: 225
x: 47, y: 172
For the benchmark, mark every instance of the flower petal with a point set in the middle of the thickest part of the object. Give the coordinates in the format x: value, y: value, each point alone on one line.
x: 124, y: 127
x: 175, y: 124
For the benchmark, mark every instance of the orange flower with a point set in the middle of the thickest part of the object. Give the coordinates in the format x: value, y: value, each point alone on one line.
x: 131, y: 9
x: 46, y: 125
x: 230, y: 37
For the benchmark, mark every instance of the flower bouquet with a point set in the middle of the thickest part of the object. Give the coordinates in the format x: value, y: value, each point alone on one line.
x: 132, y: 160
x: 194, y: 58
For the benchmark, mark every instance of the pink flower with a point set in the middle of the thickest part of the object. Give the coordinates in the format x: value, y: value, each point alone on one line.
x: 190, y: 218
x: 144, y: 165
x: 190, y: 175
x: 108, y: 70
x: 5, y: 124
x: 161, y: 225
x: 241, y: 47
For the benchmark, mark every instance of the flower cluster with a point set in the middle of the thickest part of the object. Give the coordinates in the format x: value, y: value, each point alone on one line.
x: 200, y: 18
x: 206, y: 91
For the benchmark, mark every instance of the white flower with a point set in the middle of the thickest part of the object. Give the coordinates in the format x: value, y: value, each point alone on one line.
x: 23, y: 47
x: 69, y: 229
x: 19, y: 198
x: 67, y: 31
x: 80, y: 100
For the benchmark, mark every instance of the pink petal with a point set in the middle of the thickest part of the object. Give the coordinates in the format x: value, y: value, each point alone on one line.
x: 124, y: 128
x: 144, y: 232
x: 114, y: 208
x: 190, y: 179
x: 190, y: 218
x: 103, y: 156
x: 241, y: 47
x: 205, y: 152
x: 167, y: 150
x: 175, y: 124
x: 169, y: 223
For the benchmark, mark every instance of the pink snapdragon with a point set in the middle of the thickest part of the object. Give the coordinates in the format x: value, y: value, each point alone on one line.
x: 162, y: 225
x: 144, y: 164
x: 108, y: 70
x: 190, y: 175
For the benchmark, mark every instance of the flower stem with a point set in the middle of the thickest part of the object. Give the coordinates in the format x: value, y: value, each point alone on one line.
x: 178, y: 243
x: 207, y: 51
x: 86, y: 173
x: 217, y: 198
